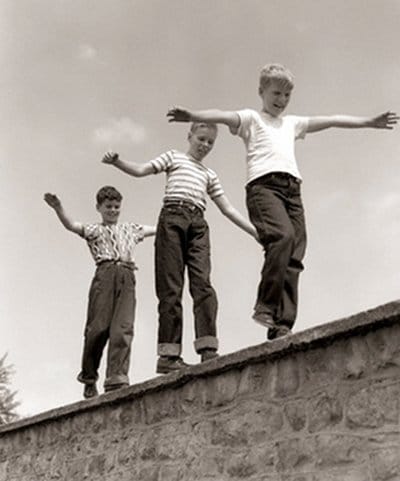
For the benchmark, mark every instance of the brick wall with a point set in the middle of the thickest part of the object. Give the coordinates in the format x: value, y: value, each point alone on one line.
x: 322, y: 405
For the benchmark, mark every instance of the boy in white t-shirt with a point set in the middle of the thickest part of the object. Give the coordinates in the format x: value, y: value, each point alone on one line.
x: 273, y: 186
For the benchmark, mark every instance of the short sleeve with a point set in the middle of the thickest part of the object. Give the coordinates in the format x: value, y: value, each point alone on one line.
x: 246, y: 117
x: 90, y: 232
x: 214, y: 188
x: 300, y: 126
x: 138, y: 232
x: 163, y: 162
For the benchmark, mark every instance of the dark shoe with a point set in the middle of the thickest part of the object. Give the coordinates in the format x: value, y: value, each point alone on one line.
x: 208, y: 354
x: 166, y: 364
x: 90, y: 390
x: 278, y: 331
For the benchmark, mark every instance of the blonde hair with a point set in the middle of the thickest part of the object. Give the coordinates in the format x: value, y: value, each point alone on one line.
x: 275, y: 71
x: 198, y: 125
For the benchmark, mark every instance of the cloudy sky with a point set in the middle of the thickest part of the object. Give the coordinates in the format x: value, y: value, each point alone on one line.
x: 79, y: 78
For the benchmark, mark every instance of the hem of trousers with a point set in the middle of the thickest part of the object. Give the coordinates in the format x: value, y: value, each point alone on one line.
x: 169, y: 349
x: 116, y: 379
x: 206, y: 342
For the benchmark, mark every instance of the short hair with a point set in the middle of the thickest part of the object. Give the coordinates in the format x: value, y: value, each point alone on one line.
x: 108, y: 193
x: 275, y: 71
x: 198, y: 125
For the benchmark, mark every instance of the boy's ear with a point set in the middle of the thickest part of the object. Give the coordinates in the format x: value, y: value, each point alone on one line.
x: 260, y: 90
x: 97, y: 206
x: 189, y: 135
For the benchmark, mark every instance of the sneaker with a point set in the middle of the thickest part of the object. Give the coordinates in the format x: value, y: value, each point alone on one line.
x: 90, y: 390
x: 278, y: 331
x: 265, y: 319
x: 166, y: 364
x: 208, y: 354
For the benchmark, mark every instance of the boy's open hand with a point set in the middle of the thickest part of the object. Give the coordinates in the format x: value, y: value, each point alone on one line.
x: 52, y: 200
x: 110, y: 158
x: 178, y: 114
x: 385, y: 121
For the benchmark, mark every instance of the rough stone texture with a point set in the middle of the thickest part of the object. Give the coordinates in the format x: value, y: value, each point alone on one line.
x: 321, y: 405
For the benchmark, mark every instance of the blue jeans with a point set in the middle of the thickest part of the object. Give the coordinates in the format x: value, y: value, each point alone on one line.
x: 276, y: 210
x: 182, y: 240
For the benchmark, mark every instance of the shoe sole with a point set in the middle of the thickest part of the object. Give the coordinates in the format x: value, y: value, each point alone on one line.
x: 269, y: 324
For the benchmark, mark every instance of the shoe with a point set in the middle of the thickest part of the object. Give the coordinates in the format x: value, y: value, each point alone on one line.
x: 265, y: 319
x: 114, y: 387
x: 166, y: 364
x: 90, y: 390
x: 278, y: 331
x: 208, y: 354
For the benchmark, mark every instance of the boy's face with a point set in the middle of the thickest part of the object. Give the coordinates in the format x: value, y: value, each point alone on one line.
x: 109, y: 211
x: 201, y: 141
x: 275, y: 97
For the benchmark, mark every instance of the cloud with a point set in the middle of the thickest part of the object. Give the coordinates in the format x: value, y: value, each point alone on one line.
x: 87, y: 52
x: 120, y: 130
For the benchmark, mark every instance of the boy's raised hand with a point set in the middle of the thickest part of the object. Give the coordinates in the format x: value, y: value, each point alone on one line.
x: 178, y: 114
x: 52, y: 200
x: 385, y: 121
x: 110, y: 158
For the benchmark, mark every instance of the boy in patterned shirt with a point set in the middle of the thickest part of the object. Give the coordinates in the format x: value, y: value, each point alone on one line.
x: 182, y: 239
x: 112, y: 301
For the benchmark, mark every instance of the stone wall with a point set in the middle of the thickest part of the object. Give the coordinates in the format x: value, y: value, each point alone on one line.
x: 321, y: 405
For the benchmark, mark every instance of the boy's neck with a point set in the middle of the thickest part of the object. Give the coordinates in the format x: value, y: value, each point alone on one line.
x: 271, y: 115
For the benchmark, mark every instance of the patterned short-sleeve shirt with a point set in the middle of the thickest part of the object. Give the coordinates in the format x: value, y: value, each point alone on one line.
x: 113, y: 242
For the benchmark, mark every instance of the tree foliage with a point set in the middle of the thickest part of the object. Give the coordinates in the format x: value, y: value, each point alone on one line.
x: 8, y: 403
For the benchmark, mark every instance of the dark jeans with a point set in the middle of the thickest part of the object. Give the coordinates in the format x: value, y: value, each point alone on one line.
x: 182, y: 239
x: 111, y: 314
x: 275, y: 208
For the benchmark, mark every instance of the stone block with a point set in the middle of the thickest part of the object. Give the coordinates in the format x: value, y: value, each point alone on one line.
x: 287, y: 380
x: 241, y: 466
x: 356, y: 357
x: 324, y: 411
x: 384, y: 348
x: 337, y: 450
x: 386, y: 464
x: 254, y: 378
x: 296, y: 454
x: 373, y: 406
x: 295, y: 413
x: 347, y: 474
x: 161, y: 406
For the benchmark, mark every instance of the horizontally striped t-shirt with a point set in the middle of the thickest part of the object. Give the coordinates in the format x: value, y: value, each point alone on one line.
x: 187, y: 178
x: 113, y: 242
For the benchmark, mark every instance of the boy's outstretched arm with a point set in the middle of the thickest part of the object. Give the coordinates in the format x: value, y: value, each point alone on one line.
x: 214, y: 116
x: 131, y: 168
x: 54, y: 202
x: 386, y: 120
x: 235, y: 216
x: 149, y: 230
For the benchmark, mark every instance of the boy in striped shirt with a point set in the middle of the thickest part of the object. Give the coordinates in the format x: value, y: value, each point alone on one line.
x: 182, y: 240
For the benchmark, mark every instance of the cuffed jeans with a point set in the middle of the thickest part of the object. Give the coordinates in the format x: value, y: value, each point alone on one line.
x: 182, y: 239
x: 275, y: 208
x: 110, y: 317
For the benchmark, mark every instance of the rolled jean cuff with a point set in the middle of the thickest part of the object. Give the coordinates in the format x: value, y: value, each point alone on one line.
x: 169, y: 349
x: 85, y: 379
x: 116, y: 380
x: 206, y: 342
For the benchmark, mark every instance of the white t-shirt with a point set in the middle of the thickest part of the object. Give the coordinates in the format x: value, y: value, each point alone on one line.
x: 269, y: 142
